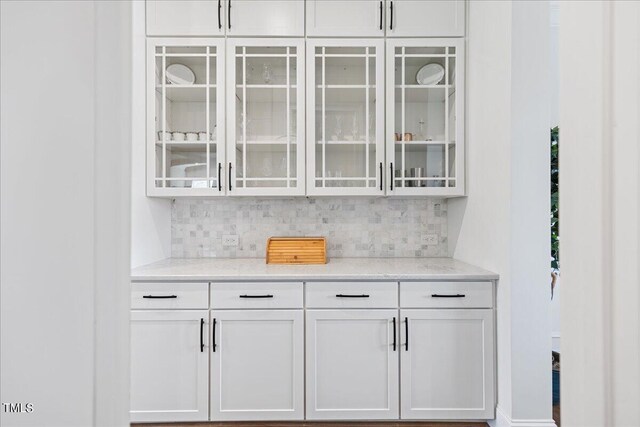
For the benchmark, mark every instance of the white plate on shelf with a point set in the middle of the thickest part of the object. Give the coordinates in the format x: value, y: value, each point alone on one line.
x: 430, y: 74
x: 179, y: 74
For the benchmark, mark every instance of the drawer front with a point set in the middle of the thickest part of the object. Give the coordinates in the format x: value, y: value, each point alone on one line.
x: 170, y: 295
x: 351, y: 294
x: 256, y: 295
x: 446, y: 294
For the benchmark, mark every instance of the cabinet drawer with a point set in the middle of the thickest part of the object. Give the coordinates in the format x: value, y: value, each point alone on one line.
x: 351, y: 294
x: 446, y: 294
x: 256, y: 295
x: 169, y: 295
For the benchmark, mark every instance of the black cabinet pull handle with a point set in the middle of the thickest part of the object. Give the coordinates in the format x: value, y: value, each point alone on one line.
x: 201, y: 335
x: 352, y: 296
x: 229, y: 176
x: 394, y: 333
x: 159, y: 296
x: 392, y: 177
x: 406, y: 333
x: 380, y: 176
x: 391, y: 20
x: 448, y: 295
x: 381, y: 15
x: 256, y: 296
x: 219, y: 176
x: 213, y: 335
x: 229, y: 12
x: 219, y: 18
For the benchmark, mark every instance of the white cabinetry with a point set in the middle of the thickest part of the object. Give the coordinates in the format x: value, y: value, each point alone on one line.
x: 169, y: 365
x: 265, y: 108
x: 330, y: 18
x: 353, y: 348
x: 432, y: 18
x: 185, y: 121
x: 257, y: 365
x: 280, y: 18
x: 185, y: 18
x: 393, y: 18
x: 447, y: 364
x: 425, y: 117
x: 345, y: 117
x: 352, y: 364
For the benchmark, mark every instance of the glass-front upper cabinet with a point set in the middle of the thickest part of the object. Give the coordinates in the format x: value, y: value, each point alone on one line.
x: 425, y: 117
x: 345, y: 117
x: 265, y: 108
x: 185, y: 117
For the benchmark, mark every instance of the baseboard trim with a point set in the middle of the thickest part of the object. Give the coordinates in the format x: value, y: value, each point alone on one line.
x: 502, y: 420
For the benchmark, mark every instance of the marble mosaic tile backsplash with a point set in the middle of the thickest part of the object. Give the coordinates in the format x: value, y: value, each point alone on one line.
x: 359, y: 227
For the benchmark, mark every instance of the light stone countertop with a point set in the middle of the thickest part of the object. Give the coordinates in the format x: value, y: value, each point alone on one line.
x: 235, y: 269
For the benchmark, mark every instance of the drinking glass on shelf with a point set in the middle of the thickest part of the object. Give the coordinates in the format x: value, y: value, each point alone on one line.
x: 372, y: 126
x: 267, y: 73
x: 338, y: 128
x: 354, y: 127
x: 421, y: 135
x: 267, y: 169
x: 241, y: 127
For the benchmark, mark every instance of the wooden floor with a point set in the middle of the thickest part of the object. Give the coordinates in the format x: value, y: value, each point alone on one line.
x: 318, y: 424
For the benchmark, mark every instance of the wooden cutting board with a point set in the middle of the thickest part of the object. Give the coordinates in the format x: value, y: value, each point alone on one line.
x: 297, y: 250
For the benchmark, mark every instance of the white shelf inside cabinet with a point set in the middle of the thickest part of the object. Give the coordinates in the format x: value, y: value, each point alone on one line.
x: 199, y: 96
x: 415, y: 143
x: 199, y: 146
x: 418, y: 86
x: 420, y: 97
x: 330, y: 86
x: 266, y: 148
x: 267, y: 86
x: 185, y: 86
x: 266, y: 142
x: 345, y: 142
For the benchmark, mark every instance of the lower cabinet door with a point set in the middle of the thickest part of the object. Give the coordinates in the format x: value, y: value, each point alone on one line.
x: 169, y: 365
x: 447, y: 365
x: 352, y: 364
x: 257, y: 365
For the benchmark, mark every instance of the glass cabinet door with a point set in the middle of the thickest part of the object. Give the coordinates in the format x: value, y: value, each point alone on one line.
x: 185, y: 109
x: 425, y: 108
x: 265, y: 90
x: 345, y: 122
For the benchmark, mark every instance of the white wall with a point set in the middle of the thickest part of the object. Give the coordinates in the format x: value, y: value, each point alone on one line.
x: 554, y: 80
x: 554, y: 61
x: 503, y: 225
x: 600, y: 212
x: 64, y: 212
x: 150, y: 217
